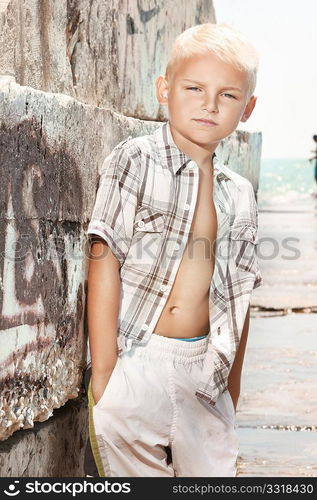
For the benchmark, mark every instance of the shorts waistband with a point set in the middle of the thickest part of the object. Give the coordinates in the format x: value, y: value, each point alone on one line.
x: 191, y: 339
x: 162, y: 347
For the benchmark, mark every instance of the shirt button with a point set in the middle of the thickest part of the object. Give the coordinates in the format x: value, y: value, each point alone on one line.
x: 163, y: 288
x: 177, y: 247
x: 186, y: 206
x: 145, y: 327
x: 141, y: 223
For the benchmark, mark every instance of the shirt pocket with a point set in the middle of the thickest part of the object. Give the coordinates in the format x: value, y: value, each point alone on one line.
x: 146, y: 246
x: 148, y: 219
x: 243, y: 246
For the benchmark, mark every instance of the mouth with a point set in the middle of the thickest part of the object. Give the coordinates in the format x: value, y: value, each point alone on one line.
x: 207, y: 123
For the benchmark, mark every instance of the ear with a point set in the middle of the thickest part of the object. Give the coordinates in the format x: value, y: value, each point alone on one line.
x: 248, y: 109
x: 161, y: 89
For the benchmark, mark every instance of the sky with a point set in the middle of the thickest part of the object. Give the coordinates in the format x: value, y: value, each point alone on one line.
x: 284, y: 32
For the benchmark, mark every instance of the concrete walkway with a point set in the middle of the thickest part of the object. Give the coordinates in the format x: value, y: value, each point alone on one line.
x: 277, y: 411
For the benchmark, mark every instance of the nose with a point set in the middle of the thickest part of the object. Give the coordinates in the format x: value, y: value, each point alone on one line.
x: 210, y: 104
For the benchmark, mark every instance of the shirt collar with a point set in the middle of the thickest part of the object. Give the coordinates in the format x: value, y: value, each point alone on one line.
x: 174, y: 158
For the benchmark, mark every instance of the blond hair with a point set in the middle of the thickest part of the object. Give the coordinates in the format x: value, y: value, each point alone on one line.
x: 224, y: 41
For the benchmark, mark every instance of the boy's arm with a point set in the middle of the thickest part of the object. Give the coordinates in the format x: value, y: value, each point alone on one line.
x: 234, y: 378
x: 103, y: 300
x: 112, y: 220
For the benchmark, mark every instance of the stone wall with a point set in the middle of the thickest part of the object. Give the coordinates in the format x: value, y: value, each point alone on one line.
x: 54, y: 448
x: 242, y: 151
x: 93, y: 50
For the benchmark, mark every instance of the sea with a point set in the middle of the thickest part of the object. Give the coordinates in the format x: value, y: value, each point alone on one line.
x: 286, y: 182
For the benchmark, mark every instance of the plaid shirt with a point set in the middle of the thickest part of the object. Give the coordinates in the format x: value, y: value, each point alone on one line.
x: 143, y: 209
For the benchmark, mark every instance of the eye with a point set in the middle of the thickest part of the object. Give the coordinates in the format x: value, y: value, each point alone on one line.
x: 192, y: 88
x: 230, y: 95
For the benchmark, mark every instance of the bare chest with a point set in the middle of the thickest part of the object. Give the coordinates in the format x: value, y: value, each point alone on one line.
x: 186, y: 312
x: 204, y: 223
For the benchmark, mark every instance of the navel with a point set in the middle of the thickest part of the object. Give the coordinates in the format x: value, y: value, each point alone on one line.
x: 174, y: 309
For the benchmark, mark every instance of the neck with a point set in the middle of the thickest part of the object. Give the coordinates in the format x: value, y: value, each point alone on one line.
x: 201, y: 155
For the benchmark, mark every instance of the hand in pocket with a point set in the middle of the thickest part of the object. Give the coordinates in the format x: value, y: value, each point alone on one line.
x: 99, y: 384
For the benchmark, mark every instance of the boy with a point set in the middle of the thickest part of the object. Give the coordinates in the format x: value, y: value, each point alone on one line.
x: 170, y: 278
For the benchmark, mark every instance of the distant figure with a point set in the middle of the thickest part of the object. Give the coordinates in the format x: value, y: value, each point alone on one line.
x: 315, y: 158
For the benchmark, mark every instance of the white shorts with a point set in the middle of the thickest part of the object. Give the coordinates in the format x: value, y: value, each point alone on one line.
x: 150, y: 423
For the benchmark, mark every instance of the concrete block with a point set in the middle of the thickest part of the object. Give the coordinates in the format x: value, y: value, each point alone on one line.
x: 50, y: 449
x: 103, y: 52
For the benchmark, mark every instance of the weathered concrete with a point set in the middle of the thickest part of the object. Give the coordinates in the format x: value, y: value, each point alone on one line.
x: 34, y: 44
x: 241, y: 151
x: 49, y: 176
x: 3, y: 5
x: 94, y: 50
x: 50, y: 449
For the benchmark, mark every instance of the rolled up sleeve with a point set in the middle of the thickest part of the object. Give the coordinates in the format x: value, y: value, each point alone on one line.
x: 116, y: 200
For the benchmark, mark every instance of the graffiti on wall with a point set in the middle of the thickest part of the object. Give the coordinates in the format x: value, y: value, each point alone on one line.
x: 41, y: 275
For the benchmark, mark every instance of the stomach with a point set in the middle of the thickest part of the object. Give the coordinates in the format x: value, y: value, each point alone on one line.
x: 183, y: 317
x: 186, y: 310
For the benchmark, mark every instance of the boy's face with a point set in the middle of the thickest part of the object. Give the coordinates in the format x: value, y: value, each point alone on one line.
x: 200, y: 88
